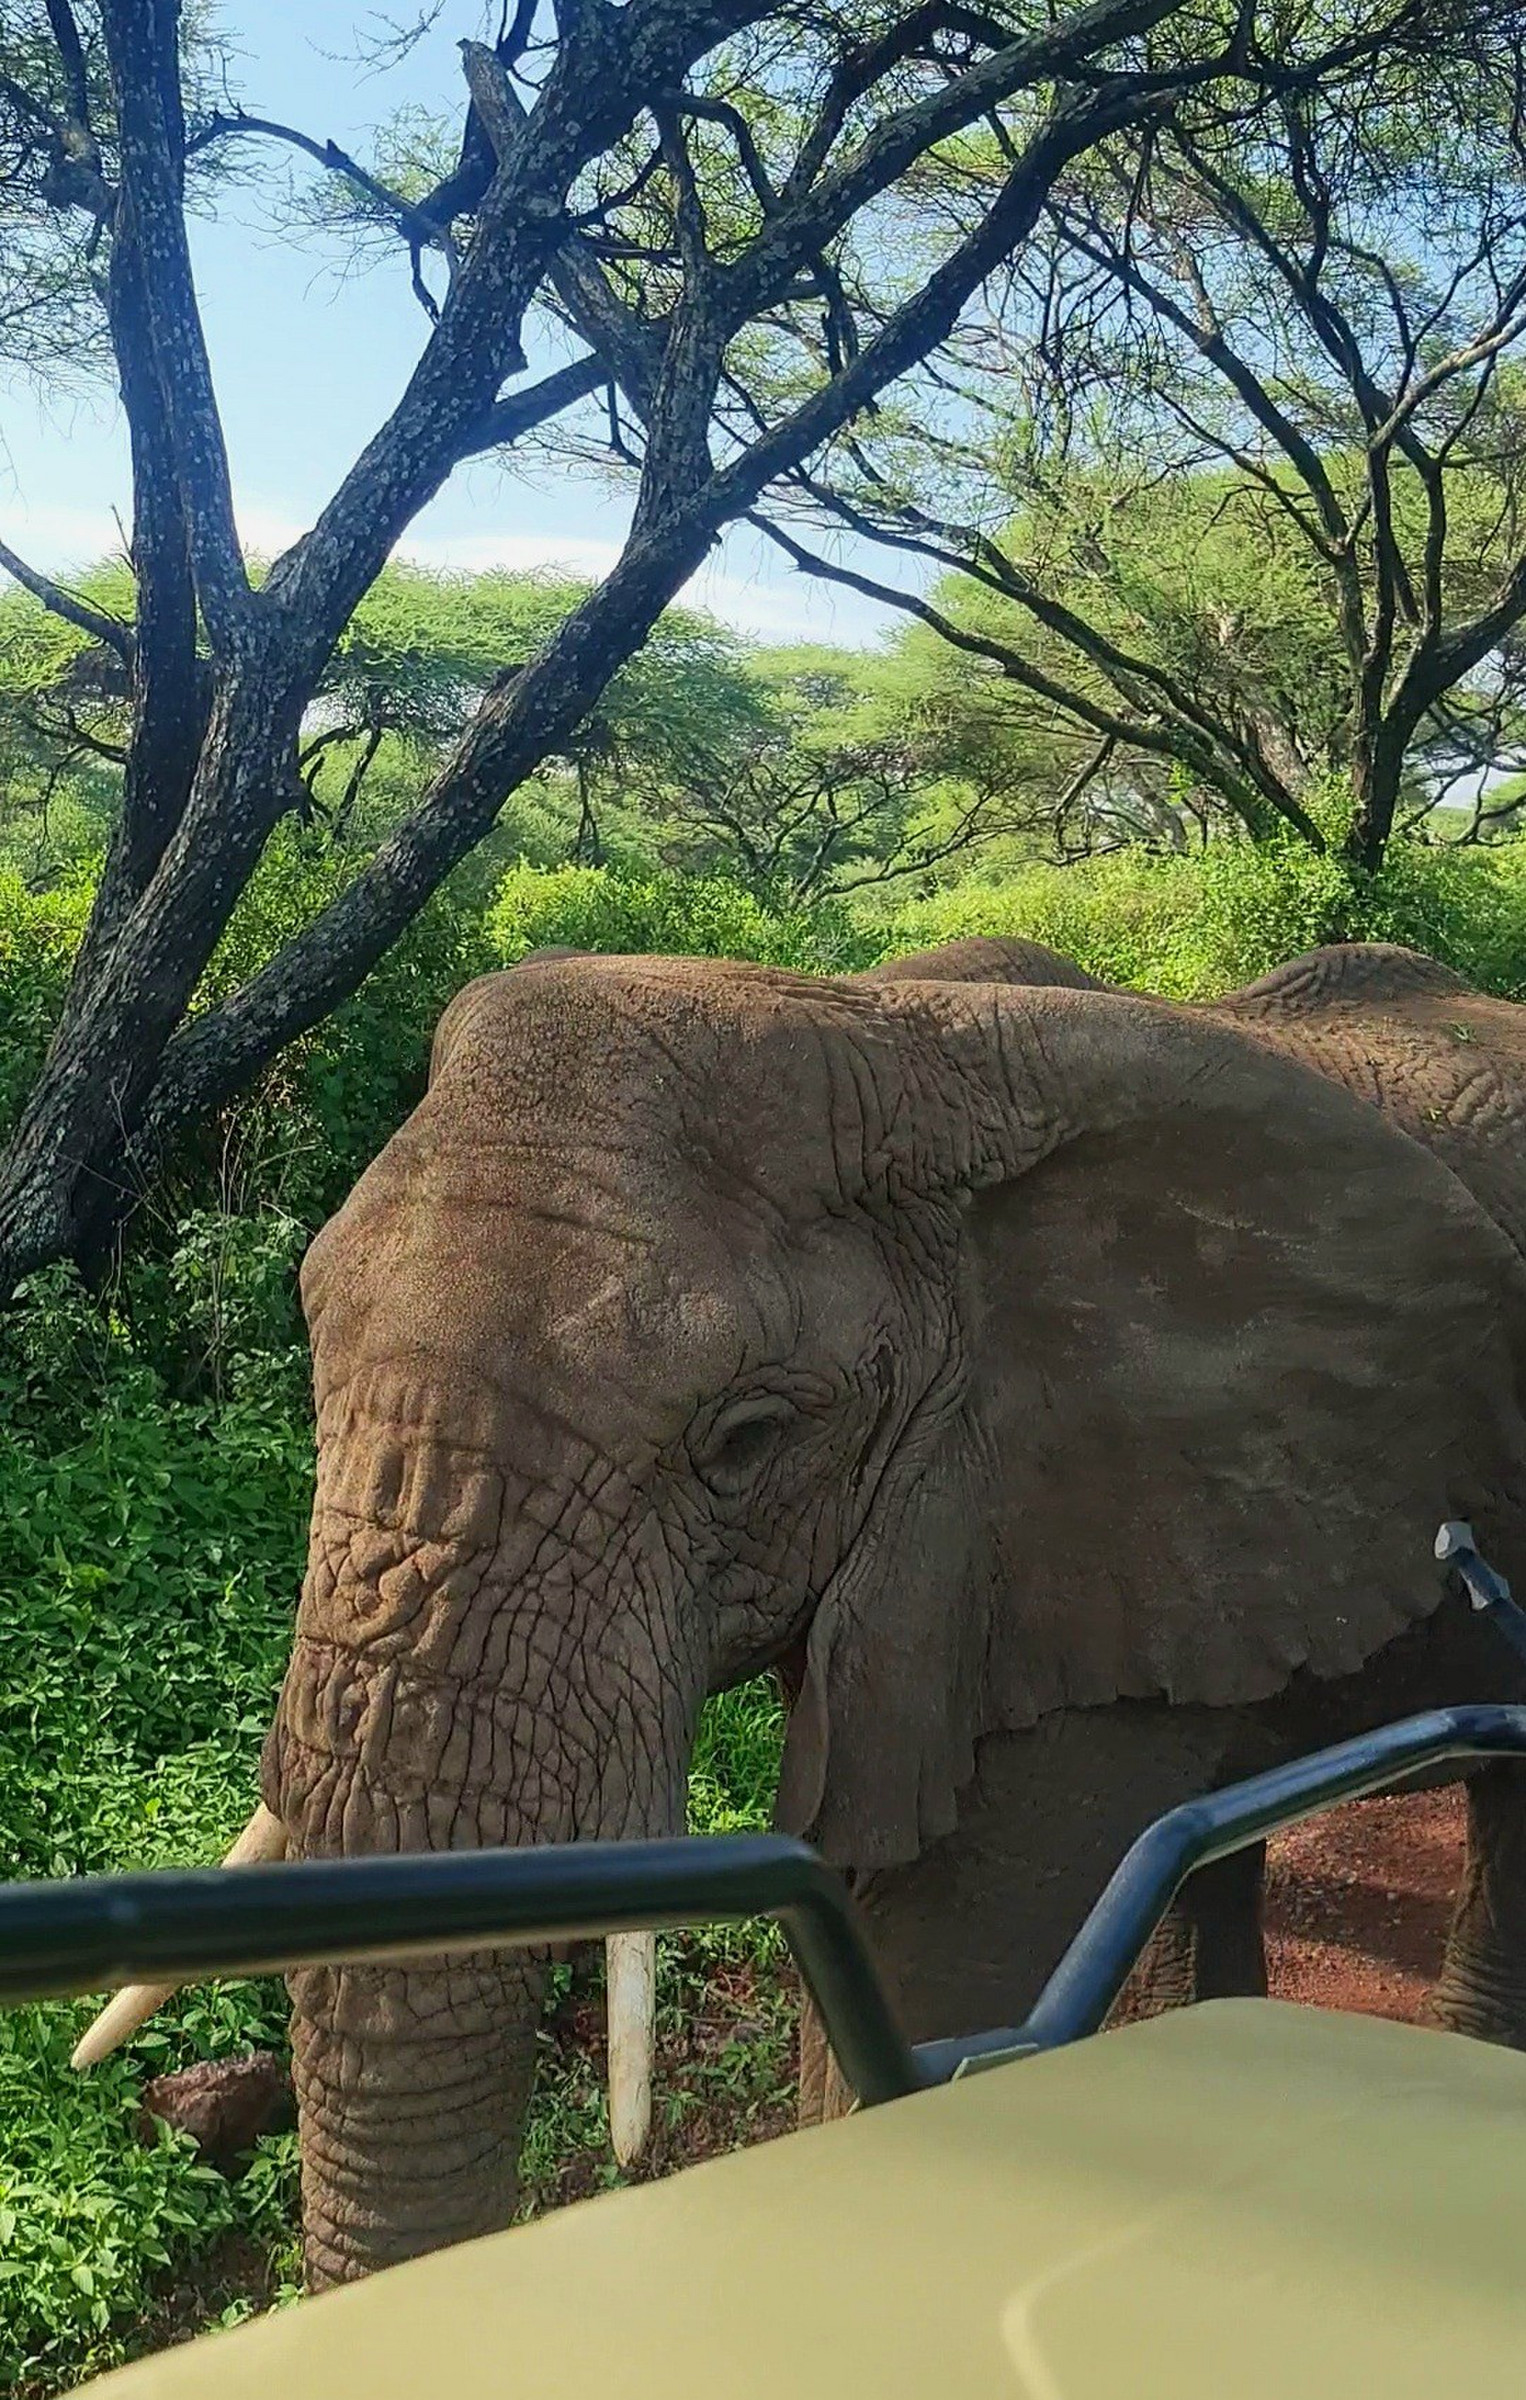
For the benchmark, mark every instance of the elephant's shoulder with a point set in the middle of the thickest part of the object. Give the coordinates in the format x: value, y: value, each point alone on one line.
x: 1347, y: 975
x: 1444, y: 1063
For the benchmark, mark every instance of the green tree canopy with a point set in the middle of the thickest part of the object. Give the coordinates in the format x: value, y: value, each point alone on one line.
x: 750, y: 233
x: 1259, y: 512
x: 1172, y: 607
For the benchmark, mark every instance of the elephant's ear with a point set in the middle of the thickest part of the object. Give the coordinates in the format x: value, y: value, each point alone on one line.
x: 1226, y: 1349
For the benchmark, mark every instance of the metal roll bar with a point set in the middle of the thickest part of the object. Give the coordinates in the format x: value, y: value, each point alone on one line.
x: 1076, y: 1999
x: 65, y: 1938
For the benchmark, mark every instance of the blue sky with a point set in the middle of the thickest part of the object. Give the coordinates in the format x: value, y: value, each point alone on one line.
x: 308, y: 358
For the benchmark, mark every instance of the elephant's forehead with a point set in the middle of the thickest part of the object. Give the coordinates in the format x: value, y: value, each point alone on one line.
x: 680, y: 1070
x: 604, y: 1200
x: 552, y: 1279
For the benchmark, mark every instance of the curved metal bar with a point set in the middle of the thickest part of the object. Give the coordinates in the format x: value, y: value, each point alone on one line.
x: 70, y: 1937
x: 58, y: 1939
x: 1076, y: 1999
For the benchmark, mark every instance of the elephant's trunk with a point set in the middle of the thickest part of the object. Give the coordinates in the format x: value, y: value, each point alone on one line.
x: 453, y: 1692
x: 412, y: 2085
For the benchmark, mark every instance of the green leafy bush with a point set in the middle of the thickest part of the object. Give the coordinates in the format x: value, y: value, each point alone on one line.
x: 150, y: 1551
x: 92, y: 2219
x: 1190, y: 927
x: 37, y: 942
x: 599, y: 908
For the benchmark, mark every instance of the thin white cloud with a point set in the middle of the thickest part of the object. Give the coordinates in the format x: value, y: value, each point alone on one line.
x: 789, y: 609
x: 264, y: 532
x: 770, y: 607
x: 519, y: 553
x: 61, y: 540
x: 796, y: 608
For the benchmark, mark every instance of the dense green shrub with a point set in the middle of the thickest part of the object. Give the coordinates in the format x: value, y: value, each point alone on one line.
x: 599, y: 908
x: 149, y: 1559
x: 1189, y: 927
x: 92, y: 2220
x: 150, y: 1551
x: 37, y: 941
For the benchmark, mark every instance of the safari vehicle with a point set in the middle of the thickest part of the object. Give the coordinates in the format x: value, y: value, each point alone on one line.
x: 1234, y: 2201
x: 1237, y: 2200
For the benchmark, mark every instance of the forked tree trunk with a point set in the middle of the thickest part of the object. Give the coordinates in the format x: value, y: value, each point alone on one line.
x: 212, y: 771
x: 67, y: 1173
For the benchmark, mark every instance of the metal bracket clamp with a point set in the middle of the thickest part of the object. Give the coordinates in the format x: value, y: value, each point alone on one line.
x: 1488, y: 1592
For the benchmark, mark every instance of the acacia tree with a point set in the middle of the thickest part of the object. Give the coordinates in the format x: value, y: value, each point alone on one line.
x: 835, y: 780
x: 423, y: 649
x: 1310, y: 311
x: 417, y: 657
x: 1201, y: 578
x: 683, y: 183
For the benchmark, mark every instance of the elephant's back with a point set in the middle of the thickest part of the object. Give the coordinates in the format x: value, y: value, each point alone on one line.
x: 986, y: 958
x: 1444, y: 1062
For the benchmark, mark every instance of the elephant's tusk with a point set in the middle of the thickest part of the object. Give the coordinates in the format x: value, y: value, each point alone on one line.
x: 263, y: 1838
x: 631, y: 1987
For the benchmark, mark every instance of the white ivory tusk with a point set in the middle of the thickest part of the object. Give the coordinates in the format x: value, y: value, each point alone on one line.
x: 262, y: 1839
x: 631, y: 1988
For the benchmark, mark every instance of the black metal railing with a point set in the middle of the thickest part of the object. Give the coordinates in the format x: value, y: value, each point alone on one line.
x: 1076, y: 1999
x: 59, y: 1939
x: 65, y: 1938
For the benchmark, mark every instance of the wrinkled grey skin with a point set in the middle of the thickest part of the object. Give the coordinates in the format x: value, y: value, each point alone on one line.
x: 1060, y: 1388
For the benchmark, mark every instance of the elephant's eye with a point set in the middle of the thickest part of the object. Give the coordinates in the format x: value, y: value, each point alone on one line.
x: 738, y: 1444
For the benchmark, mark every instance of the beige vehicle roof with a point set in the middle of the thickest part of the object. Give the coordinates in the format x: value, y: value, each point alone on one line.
x: 1236, y: 2201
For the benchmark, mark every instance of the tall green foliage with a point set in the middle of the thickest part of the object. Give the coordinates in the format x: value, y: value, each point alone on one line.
x: 595, y: 908
x: 38, y: 935
x: 1192, y: 927
x: 150, y: 1550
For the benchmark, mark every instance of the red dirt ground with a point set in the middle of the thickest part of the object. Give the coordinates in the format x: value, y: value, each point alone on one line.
x: 1358, y: 1903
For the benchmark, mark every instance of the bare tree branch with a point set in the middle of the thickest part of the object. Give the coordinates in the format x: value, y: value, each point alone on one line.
x: 108, y: 630
x: 142, y: 41
x: 1136, y: 733
x: 419, y: 229
x: 519, y: 413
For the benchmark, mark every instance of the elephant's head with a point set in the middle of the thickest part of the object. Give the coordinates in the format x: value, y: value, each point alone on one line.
x: 977, y: 1349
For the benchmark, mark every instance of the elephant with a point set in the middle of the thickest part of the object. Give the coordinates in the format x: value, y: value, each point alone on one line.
x: 1059, y: 1388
